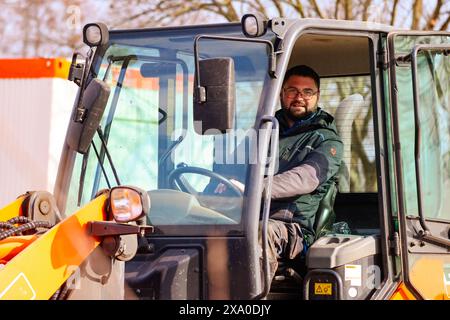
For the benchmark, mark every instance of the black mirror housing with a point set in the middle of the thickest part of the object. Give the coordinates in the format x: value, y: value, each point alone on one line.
x: 94, y: 100
x: 95, y: 34
x: 254, y: 24
x: 215, y: 114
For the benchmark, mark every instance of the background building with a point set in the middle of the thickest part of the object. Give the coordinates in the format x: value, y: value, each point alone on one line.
x: 35, y: 102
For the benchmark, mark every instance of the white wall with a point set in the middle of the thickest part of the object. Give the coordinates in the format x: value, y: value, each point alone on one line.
x: 33, y: 123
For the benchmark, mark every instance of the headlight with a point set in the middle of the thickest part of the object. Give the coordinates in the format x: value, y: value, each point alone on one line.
x: 128, y: 203
x: 95, y: 34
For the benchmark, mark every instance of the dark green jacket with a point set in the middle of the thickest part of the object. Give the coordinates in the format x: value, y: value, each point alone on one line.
x: 310, y: 154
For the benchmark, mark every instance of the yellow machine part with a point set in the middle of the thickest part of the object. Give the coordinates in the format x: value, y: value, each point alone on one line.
x: 43, y: 266
x: 12, y: 210
x: 430, y: 276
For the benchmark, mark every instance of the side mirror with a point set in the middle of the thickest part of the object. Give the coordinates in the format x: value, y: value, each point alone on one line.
x: 254, y: 24
x: 215, y: 95
x: 93, y: 104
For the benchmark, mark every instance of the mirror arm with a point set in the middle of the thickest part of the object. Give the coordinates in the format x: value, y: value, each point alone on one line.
x: 201, y: 91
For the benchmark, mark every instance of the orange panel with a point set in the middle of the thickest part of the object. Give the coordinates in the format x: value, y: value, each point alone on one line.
x: 34, y: 68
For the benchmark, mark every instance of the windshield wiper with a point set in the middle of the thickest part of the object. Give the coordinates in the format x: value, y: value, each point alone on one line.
x: 83, y: 172
x: 84, y: 165
x: 82, y: 175
x: 113, y: 168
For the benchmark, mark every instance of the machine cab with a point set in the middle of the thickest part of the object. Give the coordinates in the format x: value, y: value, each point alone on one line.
x: 389, y: 95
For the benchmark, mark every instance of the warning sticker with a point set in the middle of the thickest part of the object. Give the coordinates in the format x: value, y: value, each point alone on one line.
x: 447, y: 279
x: 324, y: 289
x: 353, y: 274
x: 19, y: 289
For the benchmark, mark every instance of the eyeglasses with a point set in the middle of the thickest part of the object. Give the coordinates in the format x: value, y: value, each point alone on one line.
x: 305, y: 93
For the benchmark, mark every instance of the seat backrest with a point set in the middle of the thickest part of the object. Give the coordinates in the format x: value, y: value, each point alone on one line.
x: 345, y: 114
x: 325, y: 215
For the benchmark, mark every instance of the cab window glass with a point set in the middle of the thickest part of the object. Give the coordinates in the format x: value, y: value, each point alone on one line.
x: 348, y: 99
x: 433, y: 90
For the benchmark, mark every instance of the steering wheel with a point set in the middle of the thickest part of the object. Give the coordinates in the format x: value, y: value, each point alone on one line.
x: 178, y: 182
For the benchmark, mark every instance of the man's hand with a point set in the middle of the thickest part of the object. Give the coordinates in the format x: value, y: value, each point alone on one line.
x: 238, y: 185
x: 221, y: 188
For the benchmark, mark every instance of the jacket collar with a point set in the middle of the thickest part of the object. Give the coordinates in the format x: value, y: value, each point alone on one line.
x: 319, y: 119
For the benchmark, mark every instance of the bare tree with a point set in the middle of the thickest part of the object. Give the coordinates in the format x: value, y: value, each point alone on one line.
x: 43, y: 27
x: 431, y: 15
x: 53, y: 27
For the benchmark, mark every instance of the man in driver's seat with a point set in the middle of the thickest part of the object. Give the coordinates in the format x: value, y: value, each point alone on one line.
x: 310, y: 153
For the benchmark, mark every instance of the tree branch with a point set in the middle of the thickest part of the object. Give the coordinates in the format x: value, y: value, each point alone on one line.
x: 336, y: 9
x: 366, y: 6
x: 394, y: 12
x: 417, y: 13
x: 435, y: 16
x: 135, y: 16
x: 348, y: 9
x: 317, y: 9
x: 230, y: 14
x: 297, y: 5
x: 260, y: 7
x: 444, y: 26
x: 279, y: 7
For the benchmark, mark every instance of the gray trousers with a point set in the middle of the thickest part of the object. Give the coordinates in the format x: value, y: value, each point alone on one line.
x: 285, y: 241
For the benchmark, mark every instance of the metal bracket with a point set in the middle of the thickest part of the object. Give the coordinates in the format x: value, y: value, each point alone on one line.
x: 76, y: 73
x: 279, y: 26
x: 382, y: 60
x: 394, y: 244
x: 110, y: 228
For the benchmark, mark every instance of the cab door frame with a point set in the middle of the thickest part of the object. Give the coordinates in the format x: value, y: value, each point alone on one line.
x: 412, y: 228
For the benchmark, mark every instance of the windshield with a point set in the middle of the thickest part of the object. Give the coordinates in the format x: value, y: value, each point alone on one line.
x: 149, y: 131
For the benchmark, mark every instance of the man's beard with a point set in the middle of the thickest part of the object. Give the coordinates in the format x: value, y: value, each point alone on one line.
x: 293, y: 117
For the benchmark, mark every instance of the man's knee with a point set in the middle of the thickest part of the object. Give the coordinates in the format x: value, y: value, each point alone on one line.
x: 277, y: 229
x: 273, y: 230
x: 285, y: 238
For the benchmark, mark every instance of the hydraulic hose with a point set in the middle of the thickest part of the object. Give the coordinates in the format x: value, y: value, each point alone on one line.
x: 25, y: 227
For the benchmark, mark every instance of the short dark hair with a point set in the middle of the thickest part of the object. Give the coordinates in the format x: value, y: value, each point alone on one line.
x: 303, y: 71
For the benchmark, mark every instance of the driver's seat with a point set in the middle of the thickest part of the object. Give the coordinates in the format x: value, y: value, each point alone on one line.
x: 325, y: 216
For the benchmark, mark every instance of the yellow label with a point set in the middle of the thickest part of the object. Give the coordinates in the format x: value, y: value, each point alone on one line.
x: 324, y: 289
